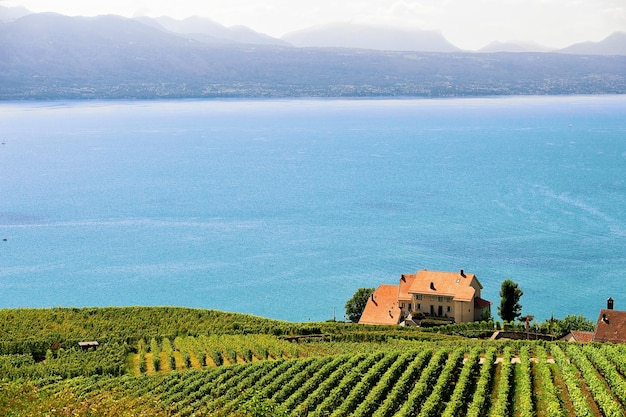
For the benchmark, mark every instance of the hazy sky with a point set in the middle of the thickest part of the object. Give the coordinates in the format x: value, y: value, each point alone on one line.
x: 469, y: 24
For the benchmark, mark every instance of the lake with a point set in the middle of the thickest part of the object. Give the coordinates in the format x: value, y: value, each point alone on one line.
x: 283, y: 208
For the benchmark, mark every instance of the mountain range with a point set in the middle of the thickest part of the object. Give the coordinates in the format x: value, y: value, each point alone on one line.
x: 338, y: 35
x: 50, y: 56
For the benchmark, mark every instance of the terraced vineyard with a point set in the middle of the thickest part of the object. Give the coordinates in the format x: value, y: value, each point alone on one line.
x: 267, y: 375
x: 445, y: 381
x: 215, y: 350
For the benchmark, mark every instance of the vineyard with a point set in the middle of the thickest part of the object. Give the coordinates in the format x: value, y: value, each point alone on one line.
x: 360, y: 373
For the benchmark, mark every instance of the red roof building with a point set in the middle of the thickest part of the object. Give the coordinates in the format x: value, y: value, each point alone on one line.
x: 611, y: 326
x: 578, y: 336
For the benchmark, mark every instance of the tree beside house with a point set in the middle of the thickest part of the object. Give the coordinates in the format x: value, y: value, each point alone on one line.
x: 510, y: 295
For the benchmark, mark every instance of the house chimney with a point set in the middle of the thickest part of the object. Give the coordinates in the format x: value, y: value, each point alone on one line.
x: 432, y: 286
x: 462, y: 273
x: 609, y: 304
x: 402, y: 277
x: 605, y: 319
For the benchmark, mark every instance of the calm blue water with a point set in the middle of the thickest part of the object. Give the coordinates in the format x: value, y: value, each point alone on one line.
x: 284, y: 208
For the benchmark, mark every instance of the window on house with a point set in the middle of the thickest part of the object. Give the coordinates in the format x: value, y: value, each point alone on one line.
x: 441, y: 299
x: 419, y: 297
x: 449, y: 309
x: 419, y: 306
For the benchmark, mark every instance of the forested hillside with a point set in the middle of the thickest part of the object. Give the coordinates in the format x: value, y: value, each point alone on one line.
x: 184, y: 362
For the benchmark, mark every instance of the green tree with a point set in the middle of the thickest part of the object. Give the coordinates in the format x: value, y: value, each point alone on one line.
x: 356, y: 305
x: 574, y: 322
x: 510, y: 294
x: 485, y: 315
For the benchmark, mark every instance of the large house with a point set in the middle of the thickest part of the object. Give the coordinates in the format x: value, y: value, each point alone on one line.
x: 455, y: 295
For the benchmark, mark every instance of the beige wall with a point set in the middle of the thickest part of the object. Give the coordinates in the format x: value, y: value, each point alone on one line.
x: 459, y: 310
x: 465, y: 312
x: 445, y: 303
x: 476, y: 287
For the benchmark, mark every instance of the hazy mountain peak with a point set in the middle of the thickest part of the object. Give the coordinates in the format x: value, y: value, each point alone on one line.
x: 207, y: 30
x: 614, y: 44
x: 44, y: 29
x: 347, y: 35
x: 11, y: 13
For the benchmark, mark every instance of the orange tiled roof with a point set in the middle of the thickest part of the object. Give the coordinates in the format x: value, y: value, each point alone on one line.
x: 383, y: 307
x: 406, y: 280
x: 583, y: 337
x: 611, y: 326
x: 450, y: 284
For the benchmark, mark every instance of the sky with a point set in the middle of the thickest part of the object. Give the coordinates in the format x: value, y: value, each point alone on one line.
x: 468, y: 24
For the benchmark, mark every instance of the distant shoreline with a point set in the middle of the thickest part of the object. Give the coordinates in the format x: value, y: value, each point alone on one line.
x: 298, y: 98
